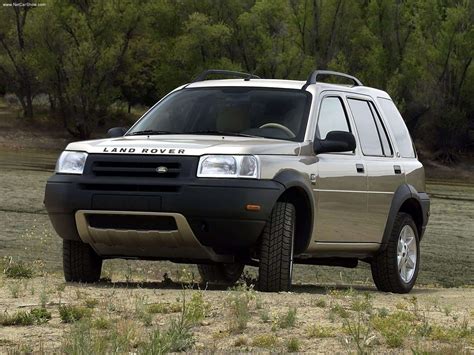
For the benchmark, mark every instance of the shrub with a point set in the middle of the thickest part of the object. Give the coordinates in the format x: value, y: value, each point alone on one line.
x: 101, y: 323
x: 41, y: 315
x: 91, y: 303
x: 321, y: 303
x: 338, y: 310
x: 293, y: 345
x: 288, y: 320
x: 315, y: 331
x: 24, y: 318
x: 238, y: 303
x: 164, y: 308
x: 19, y: 318
x: 394, y: 327
x: 18, y: 271
x: 196, y: 309
x: 71, y: 314
x: 267, y: 341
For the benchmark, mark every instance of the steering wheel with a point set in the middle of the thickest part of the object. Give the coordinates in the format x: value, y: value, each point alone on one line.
x: 279, y: 126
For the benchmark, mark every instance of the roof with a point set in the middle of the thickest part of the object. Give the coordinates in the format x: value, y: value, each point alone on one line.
x: 287, y: 84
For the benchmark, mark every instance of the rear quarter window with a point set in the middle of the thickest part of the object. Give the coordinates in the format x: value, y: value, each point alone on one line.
x: 399, y: 129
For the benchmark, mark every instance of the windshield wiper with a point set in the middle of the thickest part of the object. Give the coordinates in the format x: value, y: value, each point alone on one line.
x: 222, y: 133
x: 150, y: 132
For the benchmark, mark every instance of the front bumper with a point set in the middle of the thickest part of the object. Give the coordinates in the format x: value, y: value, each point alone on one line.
x: 213, y: 208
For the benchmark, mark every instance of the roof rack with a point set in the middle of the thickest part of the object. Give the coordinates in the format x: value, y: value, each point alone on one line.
x: 238, y: 74
x: 314, y: 76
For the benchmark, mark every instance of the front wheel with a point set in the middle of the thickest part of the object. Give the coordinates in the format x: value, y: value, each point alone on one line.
x: 80, y: 262
x: 276, y: 250
x: 226, y: 274
x: 396, y: 268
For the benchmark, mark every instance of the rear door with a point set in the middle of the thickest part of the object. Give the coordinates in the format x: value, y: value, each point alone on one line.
x: 341, y: 182
x: 384, y: 172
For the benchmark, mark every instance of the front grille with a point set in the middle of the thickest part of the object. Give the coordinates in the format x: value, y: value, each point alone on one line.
x: 144, y: 167
x: 132, y: 222
x: 136, y: 169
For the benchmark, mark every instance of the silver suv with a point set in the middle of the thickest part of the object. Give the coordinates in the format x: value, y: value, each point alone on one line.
x: 248, y: 171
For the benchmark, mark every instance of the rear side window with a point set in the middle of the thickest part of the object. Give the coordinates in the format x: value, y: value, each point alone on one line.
x: 387, y: 148
x: 366, y: 127
x: 332, y: 117
x: 399, y: 129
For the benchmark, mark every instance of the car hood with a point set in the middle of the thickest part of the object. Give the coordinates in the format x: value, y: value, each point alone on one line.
x: 195, y: 145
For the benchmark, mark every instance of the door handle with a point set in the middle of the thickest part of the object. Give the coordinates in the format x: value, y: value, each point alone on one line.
x: 360, y: 168
x: 397, y: 169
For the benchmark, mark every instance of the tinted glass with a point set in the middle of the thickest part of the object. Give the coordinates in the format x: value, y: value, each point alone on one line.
x: 399, y: 129
x: 272, y: 113
x: 332, y: 117
x: 366, y: 128
x: 387, y: 148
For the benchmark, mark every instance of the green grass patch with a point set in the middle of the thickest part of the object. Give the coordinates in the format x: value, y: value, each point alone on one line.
x: 319, y: 331
x: 18, y: 271
x: 25, y: 318
x: 266, y: 341
x: 288, y: 319
x: 394, y: 327
x: 71, y: 314
x: 293, y: 345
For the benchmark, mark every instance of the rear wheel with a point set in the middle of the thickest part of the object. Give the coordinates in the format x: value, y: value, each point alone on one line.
x: 226, y: 274
x: 276, y: 251
x: 396, y: 268
x: 80, y: 262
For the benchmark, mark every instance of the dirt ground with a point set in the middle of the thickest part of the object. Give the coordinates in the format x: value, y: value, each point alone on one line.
x: 317, y: 307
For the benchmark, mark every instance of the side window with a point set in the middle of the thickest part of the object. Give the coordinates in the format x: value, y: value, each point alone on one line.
x: 387, y: 148
x: 399, y: 129
x: 366, y: 127
x: 332, y: 117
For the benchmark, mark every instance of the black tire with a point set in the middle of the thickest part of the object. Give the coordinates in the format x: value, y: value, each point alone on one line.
x: 80, y: 262
x: 276, y: 250
x: 385, y: 271
x: 224, y: 274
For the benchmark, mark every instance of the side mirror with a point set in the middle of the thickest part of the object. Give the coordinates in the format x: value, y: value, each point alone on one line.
x: 116, y: 132
x: 336, y: 141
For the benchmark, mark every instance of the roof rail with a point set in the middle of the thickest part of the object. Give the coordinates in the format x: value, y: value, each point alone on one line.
x: 314, y: 76
x: 238, y: 74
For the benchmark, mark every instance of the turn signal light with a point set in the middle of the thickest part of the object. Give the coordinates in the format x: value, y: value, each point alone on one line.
x: 253, y: 207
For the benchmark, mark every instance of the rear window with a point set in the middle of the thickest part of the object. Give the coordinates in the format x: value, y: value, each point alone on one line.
x: 399, y: 129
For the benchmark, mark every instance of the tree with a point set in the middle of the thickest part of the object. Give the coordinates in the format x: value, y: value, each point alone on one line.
x: 15, y: 59
x: 84, y: 48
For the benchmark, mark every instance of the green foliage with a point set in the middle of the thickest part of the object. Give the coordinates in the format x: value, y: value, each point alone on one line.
x: 394, y: 328
x: 177, y: 337
x: 293, y: 345
x: 315, y: 331
x: 71, y: 314
x: 267, y: 341
x: 24, y: 318
x: 288, y: 319
x: 18, y: 271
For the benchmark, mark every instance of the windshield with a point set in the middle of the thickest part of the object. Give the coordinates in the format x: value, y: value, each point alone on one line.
x: 262, y: 112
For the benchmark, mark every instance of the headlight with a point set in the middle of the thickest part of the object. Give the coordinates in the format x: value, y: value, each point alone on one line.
x: 229, y: 166
x: 71, y: 162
